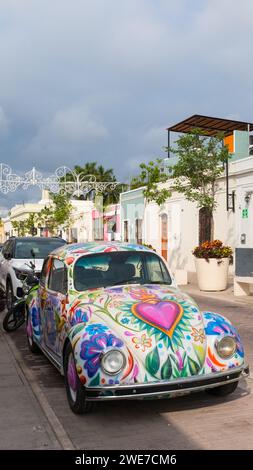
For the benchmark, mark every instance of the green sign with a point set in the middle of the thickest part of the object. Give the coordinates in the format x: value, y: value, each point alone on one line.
x: 245, y: 213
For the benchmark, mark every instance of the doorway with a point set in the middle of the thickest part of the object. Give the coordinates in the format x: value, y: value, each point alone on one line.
x: 164, y: 236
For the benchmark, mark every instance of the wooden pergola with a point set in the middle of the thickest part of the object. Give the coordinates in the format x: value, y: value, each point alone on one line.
x: 211, y: 126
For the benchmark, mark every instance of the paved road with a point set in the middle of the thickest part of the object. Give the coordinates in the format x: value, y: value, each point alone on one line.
x: 191, y: 422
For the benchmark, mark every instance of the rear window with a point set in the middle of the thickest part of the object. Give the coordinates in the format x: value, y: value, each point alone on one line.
x: 39, y: 249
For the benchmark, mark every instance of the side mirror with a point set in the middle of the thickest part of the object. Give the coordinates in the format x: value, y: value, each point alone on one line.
x: 7, y: 255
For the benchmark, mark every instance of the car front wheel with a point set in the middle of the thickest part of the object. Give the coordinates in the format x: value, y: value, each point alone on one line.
x: 223, y: 390
x: 75, y: 390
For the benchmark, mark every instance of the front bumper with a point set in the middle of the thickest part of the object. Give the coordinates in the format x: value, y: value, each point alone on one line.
x: 167, y: 388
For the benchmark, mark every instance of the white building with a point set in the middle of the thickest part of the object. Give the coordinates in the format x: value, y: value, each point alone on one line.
x: 20, y: 212
x: 173, y: 229
x: 81, y: 229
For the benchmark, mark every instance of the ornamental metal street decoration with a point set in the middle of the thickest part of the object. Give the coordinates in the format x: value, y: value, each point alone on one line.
x: 62, y: 180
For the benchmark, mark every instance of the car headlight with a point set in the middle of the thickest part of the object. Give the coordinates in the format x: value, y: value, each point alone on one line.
x: 113, y: 362
x: 21, y: 274
x: 226, y: 346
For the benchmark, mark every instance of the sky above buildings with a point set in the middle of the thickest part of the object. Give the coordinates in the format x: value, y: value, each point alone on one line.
x: 100, y: 80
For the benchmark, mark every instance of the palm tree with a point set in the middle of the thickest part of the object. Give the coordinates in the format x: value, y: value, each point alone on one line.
x: 101, y: 174
x: 91, y: 168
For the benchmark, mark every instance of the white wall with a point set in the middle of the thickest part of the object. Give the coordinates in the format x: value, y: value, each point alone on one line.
x: 81, y: 221
x: 244, y: 186
x: 183, y: 231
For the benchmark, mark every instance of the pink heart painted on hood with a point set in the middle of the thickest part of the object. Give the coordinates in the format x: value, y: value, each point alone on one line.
x: 164, y: 315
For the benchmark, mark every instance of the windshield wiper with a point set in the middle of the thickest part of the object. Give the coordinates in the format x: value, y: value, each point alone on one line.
x: 158, y: 282
x: 125, y: 281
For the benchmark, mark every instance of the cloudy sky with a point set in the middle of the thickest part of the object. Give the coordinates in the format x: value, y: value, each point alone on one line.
x: 100, y: 80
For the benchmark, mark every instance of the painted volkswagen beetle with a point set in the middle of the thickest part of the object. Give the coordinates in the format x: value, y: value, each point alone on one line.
x: 110, y: 317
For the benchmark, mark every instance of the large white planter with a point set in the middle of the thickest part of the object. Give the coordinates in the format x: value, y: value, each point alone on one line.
x: 212, y: 275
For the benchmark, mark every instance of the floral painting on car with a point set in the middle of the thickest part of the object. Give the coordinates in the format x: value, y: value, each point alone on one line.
x: 121, y: 328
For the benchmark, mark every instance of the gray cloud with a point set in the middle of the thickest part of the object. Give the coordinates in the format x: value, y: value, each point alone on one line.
x: 100, y: 80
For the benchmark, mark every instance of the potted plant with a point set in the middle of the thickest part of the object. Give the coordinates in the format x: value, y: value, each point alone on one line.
x: 212, y: 261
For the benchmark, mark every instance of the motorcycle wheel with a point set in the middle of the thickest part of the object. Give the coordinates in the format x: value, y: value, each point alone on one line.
x: 10, y: 299
x: 13, y: 320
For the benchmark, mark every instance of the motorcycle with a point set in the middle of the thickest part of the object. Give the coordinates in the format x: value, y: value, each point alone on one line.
x: 15, y: 317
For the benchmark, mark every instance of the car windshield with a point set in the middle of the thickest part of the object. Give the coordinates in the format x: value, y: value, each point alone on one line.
x: 117, y: 268
x: 40, y: 248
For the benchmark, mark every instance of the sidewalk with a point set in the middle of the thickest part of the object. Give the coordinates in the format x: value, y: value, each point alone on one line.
x: 22, y: 422
x: 227, y: 295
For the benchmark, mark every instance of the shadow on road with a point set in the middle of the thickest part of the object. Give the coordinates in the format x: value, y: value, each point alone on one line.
x: 51, y: 378
x: 140, y: 424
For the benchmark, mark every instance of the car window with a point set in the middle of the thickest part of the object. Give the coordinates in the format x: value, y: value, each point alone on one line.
x: 38, y: 248
x: 156, y: 270
x: 44, y: 271
x: 58, y: 277
x: 108, y: 269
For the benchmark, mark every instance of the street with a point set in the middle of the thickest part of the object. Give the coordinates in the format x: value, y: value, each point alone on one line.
x: 197, y: 421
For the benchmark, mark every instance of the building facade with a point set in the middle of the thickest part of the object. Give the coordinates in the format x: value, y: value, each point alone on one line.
x: 81, y: 227
x: 106, y: 223
x: 132, y: 209
x: 173, y: 228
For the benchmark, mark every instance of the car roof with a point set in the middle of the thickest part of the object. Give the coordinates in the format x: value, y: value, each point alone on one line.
x: 78, y: 250
x: 38, y: 238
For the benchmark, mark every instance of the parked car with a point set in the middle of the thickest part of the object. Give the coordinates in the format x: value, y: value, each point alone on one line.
x: 110, y: 318
x: 15, y: 258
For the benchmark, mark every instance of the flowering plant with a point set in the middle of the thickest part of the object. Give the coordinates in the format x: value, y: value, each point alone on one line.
x: 214, y: 249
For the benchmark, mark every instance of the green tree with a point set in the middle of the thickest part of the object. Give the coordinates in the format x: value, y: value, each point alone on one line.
x: 62, y: 209
x: 19, y: 226
x: 58, y: 214
x: 200, y: 163
x: 30, y: 224
x: 92, y: 168
x: 27, y: 226
x: 46, y: 218
x: 151, y: 176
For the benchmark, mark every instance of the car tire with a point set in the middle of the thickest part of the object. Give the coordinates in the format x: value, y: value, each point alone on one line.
x: 75, y: 390
x: 29, y: 334
x: 10, y: 299
x: 223, y: 390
